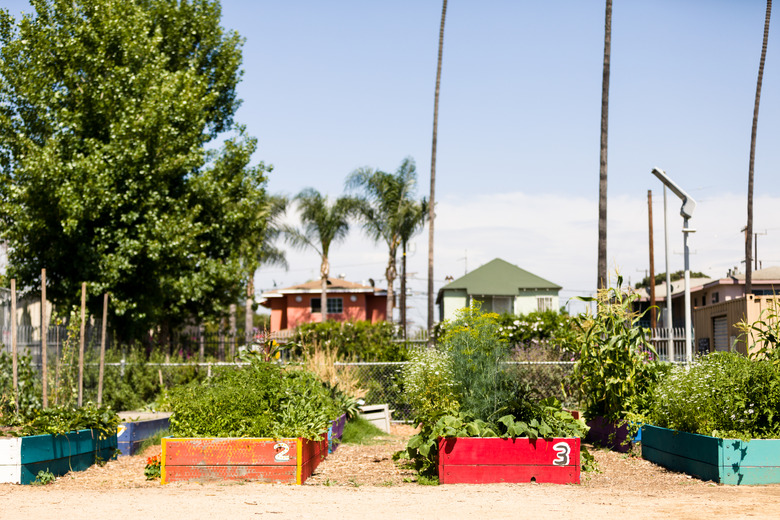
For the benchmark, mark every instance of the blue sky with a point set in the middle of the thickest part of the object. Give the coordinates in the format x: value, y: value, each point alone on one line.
x: 333, y: 86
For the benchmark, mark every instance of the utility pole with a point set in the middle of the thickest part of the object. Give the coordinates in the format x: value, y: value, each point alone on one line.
x: 652, y: 260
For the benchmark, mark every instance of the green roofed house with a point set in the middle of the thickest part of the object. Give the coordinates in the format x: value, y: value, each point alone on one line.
x: 501, y: 287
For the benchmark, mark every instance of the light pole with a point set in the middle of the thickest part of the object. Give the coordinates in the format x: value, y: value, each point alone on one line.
x: 686, y: 211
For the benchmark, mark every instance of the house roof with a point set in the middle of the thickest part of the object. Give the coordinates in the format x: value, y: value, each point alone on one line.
x: 498, y: 278
x: 769, y: 275
x: 335, y: 285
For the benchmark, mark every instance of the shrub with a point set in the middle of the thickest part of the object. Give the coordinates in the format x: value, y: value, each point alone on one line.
x: 723, y: 394
x: 616, y: 366
x: 261, y: 400
x: 429, y: 385
x: 359, y: 340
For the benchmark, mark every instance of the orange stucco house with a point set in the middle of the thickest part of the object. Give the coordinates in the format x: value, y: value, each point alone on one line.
x: 347, y: 301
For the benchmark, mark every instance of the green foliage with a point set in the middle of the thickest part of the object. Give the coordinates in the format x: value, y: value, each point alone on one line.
x: 615, y: 368
x: 110, y: 172
x: 360, y: 431
x: 673, y: 277
x: 543, y: 420
x: 478, y: 359
x: 153, y: 468
x: 261, y: 400
x: 534, y: 327
x: 429, y: 385
x: 44, y: 477
x: 58, y: 420
x: 361, y: 340
x: 28, y: 382
x: 762, y: 337
x: 479, y: 397
x: 723, y: 394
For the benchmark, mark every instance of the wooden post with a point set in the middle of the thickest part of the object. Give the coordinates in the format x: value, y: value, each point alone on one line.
x: 653, y: 322
x: 14, y: 354
x: 233, y: 331
x: 202, y: 341
x: 81, y: 341
x: 44, y: 348
x: 102, y: 350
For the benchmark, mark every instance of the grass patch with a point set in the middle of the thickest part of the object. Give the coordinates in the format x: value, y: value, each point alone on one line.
x: 360, y: 431
x: 154, y: 440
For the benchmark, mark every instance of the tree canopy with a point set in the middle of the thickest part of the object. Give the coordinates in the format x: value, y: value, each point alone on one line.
x: 109, y: 169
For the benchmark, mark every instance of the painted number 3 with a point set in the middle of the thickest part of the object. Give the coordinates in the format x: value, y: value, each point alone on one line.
x: 282, y: 450
x: 563, y: 450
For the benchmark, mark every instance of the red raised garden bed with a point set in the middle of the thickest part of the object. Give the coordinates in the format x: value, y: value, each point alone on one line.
x: 478, y: 460
x: 289, y: 461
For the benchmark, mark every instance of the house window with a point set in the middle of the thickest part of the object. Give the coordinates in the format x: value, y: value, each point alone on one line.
x: 544, y: 303
x: 335, y: 305
x: 502, y: 304
x: 715, y: 297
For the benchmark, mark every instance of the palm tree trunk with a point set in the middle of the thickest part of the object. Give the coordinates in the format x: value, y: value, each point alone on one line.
x: 602, y: 243
x: 403, y: 290
x: 390, y: 275
x: 324, y: 273
x: 432, y: 200
x: 749, y: 230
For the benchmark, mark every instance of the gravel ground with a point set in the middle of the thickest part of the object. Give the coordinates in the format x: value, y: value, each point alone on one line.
x: 363, y: 481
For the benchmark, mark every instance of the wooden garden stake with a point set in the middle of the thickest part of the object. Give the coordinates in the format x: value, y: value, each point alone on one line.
x: 102, y: 349
x: 15, y: 369
x: 81, y: 341
x: 44, y: 332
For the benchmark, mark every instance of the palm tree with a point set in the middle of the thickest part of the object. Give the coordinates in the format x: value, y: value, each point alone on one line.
x: 323, y: 225
x: 749, y: 230
x: 266, y: 254
x: 602, y: 244
x: 385, y: 208
x: 431, y: 198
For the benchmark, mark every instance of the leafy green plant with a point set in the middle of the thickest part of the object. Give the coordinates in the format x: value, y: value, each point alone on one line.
x: 359, y: 340
x: 59, y: 420
x: 44, y: 477
x: 261, y: 400
x: 429, y: 384
x: 615, y: 366
x: 762, y: 336
x: 153, y: 468
x: 483, y: 399
x: 723, y: 394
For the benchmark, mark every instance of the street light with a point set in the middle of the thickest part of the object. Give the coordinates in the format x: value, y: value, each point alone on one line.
x: 686, y: 211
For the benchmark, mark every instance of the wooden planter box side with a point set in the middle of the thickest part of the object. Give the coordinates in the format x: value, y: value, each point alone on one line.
x: 727, y: 461
x: 335, y: 432
x: 24, y: 457
x: 132, y: 434
x: 262, y: 459
x: 465, y: 460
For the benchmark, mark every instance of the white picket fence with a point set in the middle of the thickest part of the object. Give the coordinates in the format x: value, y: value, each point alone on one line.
x: 659, y: 337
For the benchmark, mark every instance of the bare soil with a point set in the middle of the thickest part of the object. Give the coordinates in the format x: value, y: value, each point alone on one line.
x: 364, y: 482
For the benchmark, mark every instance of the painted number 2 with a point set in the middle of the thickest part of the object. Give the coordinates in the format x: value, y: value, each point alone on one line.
x: 282, y: 449
x: 563, y: 450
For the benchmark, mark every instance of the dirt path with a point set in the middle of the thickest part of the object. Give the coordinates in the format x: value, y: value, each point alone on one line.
x: 362, y: 482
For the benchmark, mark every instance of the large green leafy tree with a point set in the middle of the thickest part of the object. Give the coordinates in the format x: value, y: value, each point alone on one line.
x: 110, y: 174
x: 389, y: 212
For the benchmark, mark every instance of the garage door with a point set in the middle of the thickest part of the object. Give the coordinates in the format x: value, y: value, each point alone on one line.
x: 720, y: 330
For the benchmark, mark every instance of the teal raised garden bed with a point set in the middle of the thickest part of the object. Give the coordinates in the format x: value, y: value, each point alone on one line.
x: 21, y: 458
x: 726, y: 461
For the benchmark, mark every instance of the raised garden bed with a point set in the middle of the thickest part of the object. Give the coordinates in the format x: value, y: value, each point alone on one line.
x: 610, y: 435
x: 136, y: 428
x: 478, y: 460
x: 21, y: 458
x: 289, y: 461
x: 726, y: 461
x: 335, y: 432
